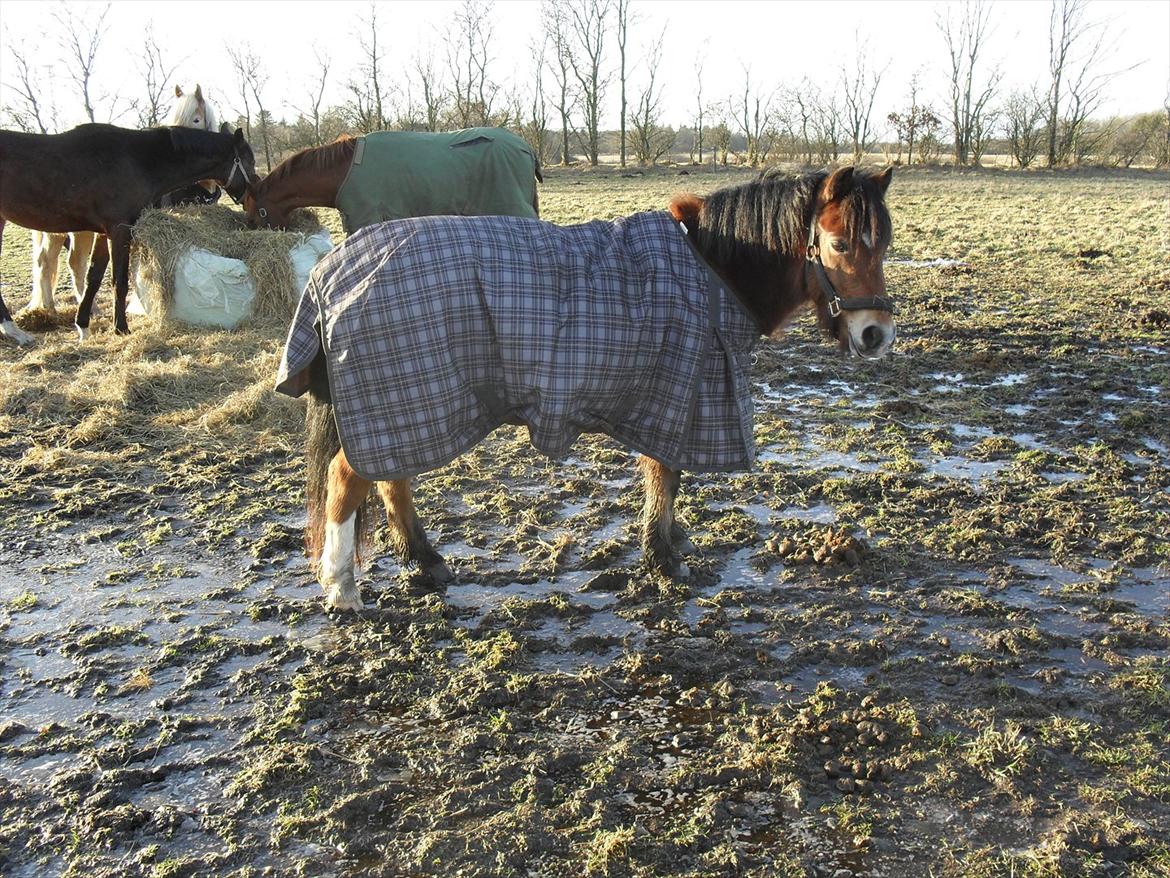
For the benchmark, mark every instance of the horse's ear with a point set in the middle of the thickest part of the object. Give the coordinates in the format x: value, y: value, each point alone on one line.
x: 225, y: 128
x: 239, y: 136
x: 198, y: 93
x: 685, y: 209
x: 178, y: 91
x: 839, y: 184
x: 883, y: 179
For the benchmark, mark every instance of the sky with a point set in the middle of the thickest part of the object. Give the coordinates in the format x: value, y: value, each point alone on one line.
x: 780, y: 42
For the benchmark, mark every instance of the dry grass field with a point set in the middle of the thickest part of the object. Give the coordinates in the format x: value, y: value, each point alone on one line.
x: 927, y: 635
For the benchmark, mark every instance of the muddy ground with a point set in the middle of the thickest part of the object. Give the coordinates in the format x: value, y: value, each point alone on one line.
x: 927, y: 635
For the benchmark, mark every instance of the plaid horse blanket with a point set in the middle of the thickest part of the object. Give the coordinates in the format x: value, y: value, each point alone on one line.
x: 437, y: 330
x: 473, y: 172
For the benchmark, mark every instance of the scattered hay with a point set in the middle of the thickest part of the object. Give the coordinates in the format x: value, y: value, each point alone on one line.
x: 162, y: 236
x: 43, y: 320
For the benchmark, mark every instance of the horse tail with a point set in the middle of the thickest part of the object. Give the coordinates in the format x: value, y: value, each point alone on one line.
x: 539, y: 179
x: 322, y: 443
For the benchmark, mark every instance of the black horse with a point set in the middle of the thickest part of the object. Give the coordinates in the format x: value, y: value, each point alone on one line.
x: 100, y: 178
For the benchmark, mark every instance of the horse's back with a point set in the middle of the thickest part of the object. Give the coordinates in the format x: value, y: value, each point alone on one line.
x: 52, y: 182
x: 473, y: 172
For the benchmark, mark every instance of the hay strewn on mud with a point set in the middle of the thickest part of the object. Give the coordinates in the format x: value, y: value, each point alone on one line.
x: 162, y: 236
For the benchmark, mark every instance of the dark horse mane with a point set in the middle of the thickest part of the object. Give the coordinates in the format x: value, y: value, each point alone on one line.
x: 757, y: 232
x: 313, y: 158
x: 195, y: 141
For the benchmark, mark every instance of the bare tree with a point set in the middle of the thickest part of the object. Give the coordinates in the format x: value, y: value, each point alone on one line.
x: 720, y: 132
x: 700, y: 109
x: 556, y: 25
x: 829, y: 127
x: 468, y: 38
x: 587, y: 22
x: 859, y: 88
x: 316, y: 95
x: 970, y: 94
x: 651, y: 140
x: 431, y: 85
x: 753, y: 116
x: 156, y: 80
x: 535, y: 128
x: 366, y: 104
x: 1024, y: 129
x: 623, y: 32
x: 251, y: 78
x: 804, y: 98
x: 909, y: 123
x: 33, y: 111
x: 1162, y: 151
x: 80, y: 40
x: 1076, y: 49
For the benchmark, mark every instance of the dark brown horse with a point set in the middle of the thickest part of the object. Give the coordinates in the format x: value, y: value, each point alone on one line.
x: 99, y: 178
x: 784, y: 243
x: 398, y: 174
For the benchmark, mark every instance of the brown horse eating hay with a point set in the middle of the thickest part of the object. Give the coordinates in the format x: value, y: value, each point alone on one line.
x: 397, y: 174
x: 418, y: 337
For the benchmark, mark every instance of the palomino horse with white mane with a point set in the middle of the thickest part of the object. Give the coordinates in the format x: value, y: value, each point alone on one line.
x: 416, y: 338
x: 191, y: 110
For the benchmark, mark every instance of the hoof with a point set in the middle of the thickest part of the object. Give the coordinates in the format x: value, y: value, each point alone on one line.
x: 439, y: 572
x: 682, y: 543
x: 341, y: 598
x: 10, y: 330
x: 122, y: 330
x: 82, y: 332
x: 671, y: 565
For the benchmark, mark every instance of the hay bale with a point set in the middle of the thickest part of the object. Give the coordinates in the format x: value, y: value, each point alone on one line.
x: 161, y: 237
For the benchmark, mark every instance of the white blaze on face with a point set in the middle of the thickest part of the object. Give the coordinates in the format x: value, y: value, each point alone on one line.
x: 336, y: 572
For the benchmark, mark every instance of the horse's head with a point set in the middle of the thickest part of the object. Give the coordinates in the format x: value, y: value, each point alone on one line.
x: 848, y: 236
x: 261, y: 212
x: 786, y: 242
x: 242, y: 175
x: 192, y: 110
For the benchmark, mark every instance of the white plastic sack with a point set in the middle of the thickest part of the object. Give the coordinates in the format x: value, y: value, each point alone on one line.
x: 211, y: 290
x: 307, y: 254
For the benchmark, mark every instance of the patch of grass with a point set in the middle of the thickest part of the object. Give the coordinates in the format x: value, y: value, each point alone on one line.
x: 23, y: 602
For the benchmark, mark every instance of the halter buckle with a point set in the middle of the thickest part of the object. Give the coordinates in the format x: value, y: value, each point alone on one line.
x: 834, y: 307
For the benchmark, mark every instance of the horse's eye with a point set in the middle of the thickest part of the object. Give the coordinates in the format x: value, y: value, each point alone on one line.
x: 840, y: 246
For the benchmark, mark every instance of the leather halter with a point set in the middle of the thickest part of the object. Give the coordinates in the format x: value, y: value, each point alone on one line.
x: 237, y: 165
x: 836, y: 302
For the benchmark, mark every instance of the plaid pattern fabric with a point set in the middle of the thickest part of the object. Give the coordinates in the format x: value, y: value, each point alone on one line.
x: 439, y: 329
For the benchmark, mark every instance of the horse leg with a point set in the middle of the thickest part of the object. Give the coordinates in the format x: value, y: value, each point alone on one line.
x: 7, y: 327
x: 120, y: 242
x: 659, y: 530
x: 93, y: 279
x: 346, y: 493
x: 409, y: 540
x: 81, y: 246
x: 46, y: 249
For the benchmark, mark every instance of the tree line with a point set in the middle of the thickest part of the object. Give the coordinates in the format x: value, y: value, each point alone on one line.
x: 583, y: 54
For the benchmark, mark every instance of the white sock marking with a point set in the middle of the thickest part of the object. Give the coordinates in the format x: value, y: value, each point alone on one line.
x: 337, y: 566
x: 14, y: 332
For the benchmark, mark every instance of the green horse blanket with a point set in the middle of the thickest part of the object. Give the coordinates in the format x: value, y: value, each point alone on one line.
x: 473, y: 172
